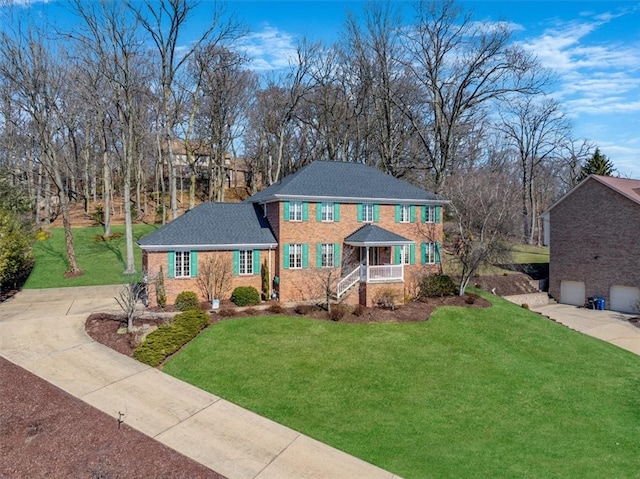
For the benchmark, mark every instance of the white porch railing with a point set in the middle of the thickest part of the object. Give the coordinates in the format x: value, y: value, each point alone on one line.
x: 383, y: 273
x: 371, y: 274
x: 349, y: 280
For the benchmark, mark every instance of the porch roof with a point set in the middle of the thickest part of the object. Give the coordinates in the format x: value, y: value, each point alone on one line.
x: 372, y: 235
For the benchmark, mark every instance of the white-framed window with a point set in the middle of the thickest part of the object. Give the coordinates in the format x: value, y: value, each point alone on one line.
x: 405, y: 213
x: 405, y: 254
x: 429, y: 214
x: 295, y: 211
x: 367, y: 212
x: 327, y: 212
x: 327, y: 258
x: 182, y: 264
x: 246, y: 262
x: 429, y: 251
x: 295, y: 256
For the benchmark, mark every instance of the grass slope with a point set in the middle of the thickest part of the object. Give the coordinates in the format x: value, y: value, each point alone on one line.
x: 102, y: 261
x: 497, y: 392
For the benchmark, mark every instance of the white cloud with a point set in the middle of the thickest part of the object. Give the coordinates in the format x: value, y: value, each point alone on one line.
x: 269, y: 49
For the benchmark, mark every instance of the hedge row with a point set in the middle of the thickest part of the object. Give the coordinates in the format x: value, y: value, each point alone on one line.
x: 167, y: 339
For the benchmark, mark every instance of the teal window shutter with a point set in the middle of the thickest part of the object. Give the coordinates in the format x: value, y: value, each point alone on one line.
x: 336, y: 254
x: 285, y: 253
x: 305, y: 255
x: 424, y: 213
x: 318, y: 255
x: 285, y: 206
x: 437, y: 253
x: 413, y: 213
x: 236, y: 262
x: 376, y: 213
x: 305, y: 211
x: 319, y: 211
x: 256, y: 261
x: 397, y: 256
x: 193, y: 263
x: 423, y: 253
x: 171, y: 266
x: 336, y: 212
x: 437, y: 219
x: 359, y: 212
x: 398, y: 213
x: 412, y: 254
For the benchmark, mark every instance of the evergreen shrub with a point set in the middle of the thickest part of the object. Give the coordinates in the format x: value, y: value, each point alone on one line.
x: 245, y: 296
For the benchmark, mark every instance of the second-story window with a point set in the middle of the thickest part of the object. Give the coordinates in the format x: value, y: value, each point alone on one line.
x: 327, y: 212
x: 429, y: 214
x: 295, y: 211
x: 367, y: 212
x: 405, y: 214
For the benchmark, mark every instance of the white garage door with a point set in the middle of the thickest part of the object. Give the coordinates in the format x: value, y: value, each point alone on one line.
x: 572, y: 292
x: 624, y: 298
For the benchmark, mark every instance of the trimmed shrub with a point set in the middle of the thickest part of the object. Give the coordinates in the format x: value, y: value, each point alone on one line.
x: 387, y: 298
x: 245, y: 296
x: 167, y: 339
x: 305, y: 309
x: 187, y: 301
x: 276, y: 308
x: 433, y: 285
x: 338, y: 311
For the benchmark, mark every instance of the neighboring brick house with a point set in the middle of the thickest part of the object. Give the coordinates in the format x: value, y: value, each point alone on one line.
x: 594, y: 237
x: 341, y: 225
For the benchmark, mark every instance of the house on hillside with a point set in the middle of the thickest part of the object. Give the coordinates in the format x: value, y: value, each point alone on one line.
x: 331, y: 223
x: 593, y: 233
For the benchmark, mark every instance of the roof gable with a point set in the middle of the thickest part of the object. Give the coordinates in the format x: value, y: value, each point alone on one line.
x: 370, y: 235
x: 628, y: 188
x: 344, y: 181
x: 212, y: 226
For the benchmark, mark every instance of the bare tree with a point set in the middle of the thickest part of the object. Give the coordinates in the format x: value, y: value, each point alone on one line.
x: 128, y: 299
x: 461, y: 67
x: 537, y: 130
x: 482, y: 213
x: 166, y: 21
x: 214, y: 276
x: 32, y: 67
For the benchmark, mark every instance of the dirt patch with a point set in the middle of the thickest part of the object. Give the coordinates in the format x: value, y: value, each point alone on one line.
x: 505, y: 284
x: 46, y: 432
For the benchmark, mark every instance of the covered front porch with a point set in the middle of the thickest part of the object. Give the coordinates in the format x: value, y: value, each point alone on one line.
x: 379, y: 256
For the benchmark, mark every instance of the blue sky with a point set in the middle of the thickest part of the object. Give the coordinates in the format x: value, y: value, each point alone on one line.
x: 593, y: 47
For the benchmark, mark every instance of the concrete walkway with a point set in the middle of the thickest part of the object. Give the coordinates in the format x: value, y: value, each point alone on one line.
x: 609, y: 326
x: 43, y: 332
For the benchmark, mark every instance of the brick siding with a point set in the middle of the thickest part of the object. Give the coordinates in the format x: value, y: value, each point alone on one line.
x: 595, y: 239
x: 306, y: 284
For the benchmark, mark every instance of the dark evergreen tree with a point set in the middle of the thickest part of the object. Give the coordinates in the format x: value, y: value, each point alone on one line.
x: 598, y: 164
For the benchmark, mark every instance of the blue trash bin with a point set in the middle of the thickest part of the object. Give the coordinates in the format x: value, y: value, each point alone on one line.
x: 599, y: 302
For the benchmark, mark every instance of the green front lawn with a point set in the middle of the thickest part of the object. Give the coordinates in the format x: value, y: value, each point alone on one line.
x: 496, y: 392
x: 102, y: 261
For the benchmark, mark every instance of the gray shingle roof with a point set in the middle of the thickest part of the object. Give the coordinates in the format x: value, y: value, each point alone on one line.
x: 214, y: 226
x: 346, y: 182
x: 372, y: 235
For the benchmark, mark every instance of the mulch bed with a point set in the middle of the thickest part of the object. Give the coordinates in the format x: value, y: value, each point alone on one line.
x: 46, y: 432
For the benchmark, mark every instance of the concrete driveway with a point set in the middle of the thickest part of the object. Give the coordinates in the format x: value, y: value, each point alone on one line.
x: 609, y: 326
x: 43, y: 332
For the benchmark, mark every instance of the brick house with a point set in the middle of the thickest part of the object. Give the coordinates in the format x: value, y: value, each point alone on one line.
x: 343, y: 227
x: 593, y: 233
